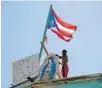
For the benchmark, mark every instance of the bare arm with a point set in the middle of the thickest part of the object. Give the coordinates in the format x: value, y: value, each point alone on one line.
x: 66, y: 60
x: 59, y: 56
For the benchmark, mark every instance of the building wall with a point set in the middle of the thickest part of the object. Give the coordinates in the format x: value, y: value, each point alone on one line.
x: 85, y: 84
x: 73, y: 82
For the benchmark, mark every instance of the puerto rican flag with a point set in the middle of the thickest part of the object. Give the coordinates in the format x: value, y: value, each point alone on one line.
x: 62, y: 29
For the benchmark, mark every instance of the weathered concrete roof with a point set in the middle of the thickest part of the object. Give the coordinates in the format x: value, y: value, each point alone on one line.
x: 45, y: 84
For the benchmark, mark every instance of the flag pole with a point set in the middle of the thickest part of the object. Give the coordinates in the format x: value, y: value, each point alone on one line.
x: 41, y: 49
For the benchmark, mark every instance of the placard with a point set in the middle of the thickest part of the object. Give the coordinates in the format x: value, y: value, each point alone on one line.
x: 23, y: 68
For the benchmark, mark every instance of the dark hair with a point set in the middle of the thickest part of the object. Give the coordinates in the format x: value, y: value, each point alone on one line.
x: 64, y: 51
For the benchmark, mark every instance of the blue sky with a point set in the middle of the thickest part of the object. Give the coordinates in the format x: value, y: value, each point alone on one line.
x: 23, y: 25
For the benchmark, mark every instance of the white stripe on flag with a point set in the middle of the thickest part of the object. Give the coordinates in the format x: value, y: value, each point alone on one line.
x: 64, y: 28
x: 67, y: 38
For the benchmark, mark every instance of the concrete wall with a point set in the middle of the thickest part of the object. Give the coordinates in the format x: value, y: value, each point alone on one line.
x: 90, y: 81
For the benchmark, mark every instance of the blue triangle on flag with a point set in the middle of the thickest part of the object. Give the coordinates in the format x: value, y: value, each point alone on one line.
x: 51, y: 22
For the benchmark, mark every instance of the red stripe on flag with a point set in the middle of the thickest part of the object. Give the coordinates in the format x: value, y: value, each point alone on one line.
x: 67, y: 25
x: 65, y: 34
x: 62, y: 32
x: 60, y: 36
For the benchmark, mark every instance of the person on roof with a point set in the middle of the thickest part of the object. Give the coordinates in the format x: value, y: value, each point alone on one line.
x: 65, y: 68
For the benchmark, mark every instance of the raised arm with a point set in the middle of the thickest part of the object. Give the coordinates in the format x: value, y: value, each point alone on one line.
x: 59, y: 56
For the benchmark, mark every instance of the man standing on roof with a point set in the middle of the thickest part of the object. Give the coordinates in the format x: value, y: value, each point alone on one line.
x: 65, y: 68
